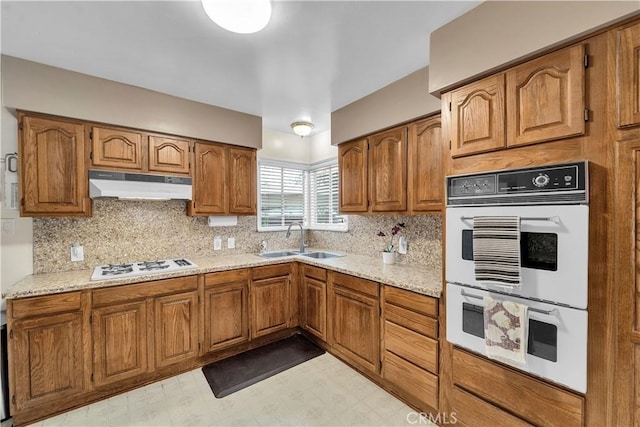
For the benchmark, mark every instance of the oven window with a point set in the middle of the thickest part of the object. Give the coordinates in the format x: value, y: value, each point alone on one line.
x: 538, y: 251
x: 543, y: 340
x: 543, y: 337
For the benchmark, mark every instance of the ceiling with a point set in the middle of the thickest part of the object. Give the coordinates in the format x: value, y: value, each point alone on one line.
x: 313, y: 58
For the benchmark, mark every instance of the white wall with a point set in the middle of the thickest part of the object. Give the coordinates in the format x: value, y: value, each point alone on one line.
x: 291, y: 148
x: 16, y: 256
x: 398, y: 102
x: 36, y: 87
x: 497, y: 33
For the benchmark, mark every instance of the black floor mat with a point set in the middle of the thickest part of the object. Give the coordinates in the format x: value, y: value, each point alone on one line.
x: 237, y: 372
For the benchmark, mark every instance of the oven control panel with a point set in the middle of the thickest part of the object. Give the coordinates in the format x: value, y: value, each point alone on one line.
x: 539, y: 185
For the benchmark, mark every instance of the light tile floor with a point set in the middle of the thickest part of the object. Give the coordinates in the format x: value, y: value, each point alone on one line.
x: 321, y: 392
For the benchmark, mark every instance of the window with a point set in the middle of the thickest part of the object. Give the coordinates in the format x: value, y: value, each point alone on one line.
x: 323, y: 203
x: 290, y: 192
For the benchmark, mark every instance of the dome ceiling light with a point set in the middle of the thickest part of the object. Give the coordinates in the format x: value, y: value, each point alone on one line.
x: 239, y: 16
x: 302, y: 129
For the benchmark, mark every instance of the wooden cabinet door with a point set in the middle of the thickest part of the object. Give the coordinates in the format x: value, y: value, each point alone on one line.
x: 353, y: 167
x: 388, y: 170
x: 209, y: 179
x: 242, y: 181
x: 176, y: 328
x: 314, y: 294
x: 226, y: 315
x: 478, y: 117
x: 48, y: 359
x: 168, y: 154
x: 629, y: 76
x: 427, y: 159
x: 119, y: 342
x: 546, y: 98
x: 270, y: 305
x: 117, y: 148
x: 355, y: 321
x: 53, y: 175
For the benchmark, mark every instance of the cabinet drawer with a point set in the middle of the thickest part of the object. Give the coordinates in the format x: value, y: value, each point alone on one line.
x: 144, y: 290
x: 363, y: 286
x: 48, y: 304
x: 409, y: 378
x: 411, y: 320
x: 225, y: 277
x: 473, y: 411
x: 411, y: 300
x: 409, y: 345
x: 314, y: 272
x: 271, y: 271
x: 520, y: 394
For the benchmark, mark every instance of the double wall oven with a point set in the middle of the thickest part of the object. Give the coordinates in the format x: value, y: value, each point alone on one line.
x: 551, y: 205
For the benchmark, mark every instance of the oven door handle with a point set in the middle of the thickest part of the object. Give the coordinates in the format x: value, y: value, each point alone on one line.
x: 553, y: 312
x: 554, y: 219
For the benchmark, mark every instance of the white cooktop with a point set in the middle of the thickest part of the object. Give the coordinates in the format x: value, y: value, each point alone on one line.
x: 111, y: 271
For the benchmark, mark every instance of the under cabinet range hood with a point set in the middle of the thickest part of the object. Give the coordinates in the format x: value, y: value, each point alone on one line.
x: 137, y: 186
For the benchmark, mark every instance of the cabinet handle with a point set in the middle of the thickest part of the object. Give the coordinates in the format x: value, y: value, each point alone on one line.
x: 11, y: 334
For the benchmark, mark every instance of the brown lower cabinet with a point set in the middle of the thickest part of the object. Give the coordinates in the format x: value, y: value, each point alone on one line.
x: 354, y: 310
x: 271, y: 299
x: 47, y: 351
x: 410, y: 346
x: 143, y: 327
x: 225, y: 309
x: 313, y: 287
x: 69, y: 349
x: 485, y: 393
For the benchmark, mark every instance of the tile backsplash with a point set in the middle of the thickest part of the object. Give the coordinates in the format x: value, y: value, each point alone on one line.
x: 129, y: 231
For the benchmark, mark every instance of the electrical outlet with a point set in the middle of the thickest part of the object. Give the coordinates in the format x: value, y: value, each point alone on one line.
x: 402, y: 245
x: 8, y: 226
x: 231, y: 243
x: 217, y: 243
x: 77, y: 253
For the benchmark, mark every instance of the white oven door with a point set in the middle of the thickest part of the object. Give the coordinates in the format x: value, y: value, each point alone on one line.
x: 557, y: 337
x: 554, y: 252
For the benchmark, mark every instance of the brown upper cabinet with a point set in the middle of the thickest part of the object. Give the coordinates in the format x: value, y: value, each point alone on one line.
x: 224, y: 180
x: 352, y: 164
x: 53, y: 173
x: 242, y: 180
x: 540, y: 100
x: 116, y: 148
x: 137, y: 151
x: 629, y: 76
x: 477, y: 117
x: 168, y: 154
x: 388, y: 170
x: 546, y: 98
x: 373, y: 173
x: 427, y: 159
x: 398, y: 170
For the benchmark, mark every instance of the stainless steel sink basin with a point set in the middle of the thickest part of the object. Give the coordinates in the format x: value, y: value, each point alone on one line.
x: 321, y: 255
x: 277, y: 254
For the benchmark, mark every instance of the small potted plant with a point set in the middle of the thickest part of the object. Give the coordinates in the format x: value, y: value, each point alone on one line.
x: 389, y: 253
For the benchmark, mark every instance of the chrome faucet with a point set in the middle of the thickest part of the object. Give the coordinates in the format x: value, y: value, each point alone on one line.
x: 302, y: 245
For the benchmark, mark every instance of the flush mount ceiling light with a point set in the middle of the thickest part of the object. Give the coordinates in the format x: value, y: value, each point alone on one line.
x: 302, y: 129
x: 239, y: 16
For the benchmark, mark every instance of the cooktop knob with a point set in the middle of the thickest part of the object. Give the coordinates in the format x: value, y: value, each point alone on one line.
x: 541, y: 180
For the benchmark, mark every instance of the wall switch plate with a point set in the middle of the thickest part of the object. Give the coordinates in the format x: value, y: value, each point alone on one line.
x: 402, y: 245
x: 217, y: 243
x: 77, y: 253
x: 231, y: 243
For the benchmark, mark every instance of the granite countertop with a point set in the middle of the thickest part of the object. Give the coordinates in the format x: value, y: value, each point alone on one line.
x: 416, y: 278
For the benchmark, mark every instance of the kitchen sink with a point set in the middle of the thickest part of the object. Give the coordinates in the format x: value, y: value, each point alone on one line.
x: 277, y: 254
x: 321, y: 255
